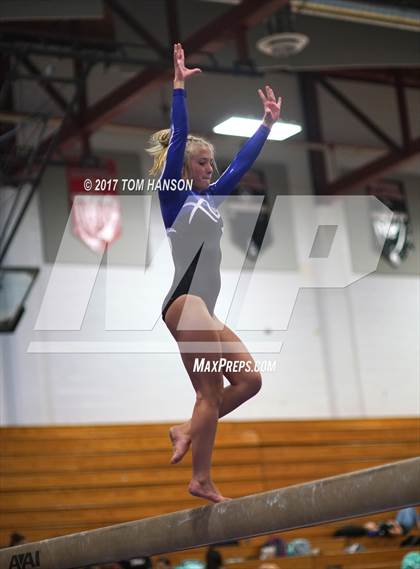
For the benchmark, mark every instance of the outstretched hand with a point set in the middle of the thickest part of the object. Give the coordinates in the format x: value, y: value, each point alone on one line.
x: 271, y: 106
x: 182, y: 72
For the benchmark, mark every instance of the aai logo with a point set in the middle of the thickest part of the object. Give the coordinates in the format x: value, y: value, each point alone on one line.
x: 25, y: 560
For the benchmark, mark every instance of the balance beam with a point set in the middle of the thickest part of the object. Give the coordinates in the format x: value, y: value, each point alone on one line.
x: 387, y: 487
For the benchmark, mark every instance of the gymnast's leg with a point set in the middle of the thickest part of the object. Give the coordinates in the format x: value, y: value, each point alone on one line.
x: 243, y: 385
x: 208, y: 386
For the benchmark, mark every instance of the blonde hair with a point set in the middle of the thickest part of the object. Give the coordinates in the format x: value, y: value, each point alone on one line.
x: 158, y: 149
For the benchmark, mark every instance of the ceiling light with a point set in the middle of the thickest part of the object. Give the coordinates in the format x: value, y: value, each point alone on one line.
x: 283, y: 44
x: 239, y: 126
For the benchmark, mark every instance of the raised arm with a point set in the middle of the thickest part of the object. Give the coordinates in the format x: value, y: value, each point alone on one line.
x: 170, y: 201
x: 179, y: 118
x: 178, y: 139
x: 251, y: 149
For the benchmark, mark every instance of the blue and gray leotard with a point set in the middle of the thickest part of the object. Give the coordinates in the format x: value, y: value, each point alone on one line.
x: 192, y: 220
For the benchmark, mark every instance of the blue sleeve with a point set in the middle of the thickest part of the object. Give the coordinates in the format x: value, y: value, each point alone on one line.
x: 171, y: 201
x: 240, y: 164
x: 178, y: 139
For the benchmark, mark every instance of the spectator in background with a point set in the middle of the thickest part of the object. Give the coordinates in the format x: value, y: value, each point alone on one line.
x: 213, y: 559
x: 16, y: 539
x: 405, y: 520
x: 273, y: 547
x: 409, y: 519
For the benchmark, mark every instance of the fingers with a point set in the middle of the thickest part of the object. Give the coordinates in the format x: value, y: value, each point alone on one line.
x: 189, y: 72
x: 178, y: 53
x: 269, y: 95
x: 181, y: 51
x: 181, y: 71
x: 262, y: 96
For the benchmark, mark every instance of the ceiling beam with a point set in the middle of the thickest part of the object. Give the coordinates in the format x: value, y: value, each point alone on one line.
x: 44, y: 82
x: 410, y: 76
x: 402, y: 109
x: 363, y: 117
x: 309, y: 96
x: 350, y: 183
x: 209, y: 38
x: 138, y: 28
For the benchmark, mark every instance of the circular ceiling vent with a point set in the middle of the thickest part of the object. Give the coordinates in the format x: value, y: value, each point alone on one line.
x: 283, y: 44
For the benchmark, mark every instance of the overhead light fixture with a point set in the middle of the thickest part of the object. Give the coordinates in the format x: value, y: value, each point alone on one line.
x: 240, y: 126
x: 283, y: 44
x: 282, y: 40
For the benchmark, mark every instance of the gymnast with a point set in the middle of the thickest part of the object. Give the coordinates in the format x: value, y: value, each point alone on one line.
x: 194, y: 228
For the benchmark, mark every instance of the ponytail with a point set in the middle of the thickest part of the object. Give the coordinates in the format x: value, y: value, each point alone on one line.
x: 159, y: 142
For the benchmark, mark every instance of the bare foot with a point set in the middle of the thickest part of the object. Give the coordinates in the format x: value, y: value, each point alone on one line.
x: 206, y: 490
x: 181, y: 443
